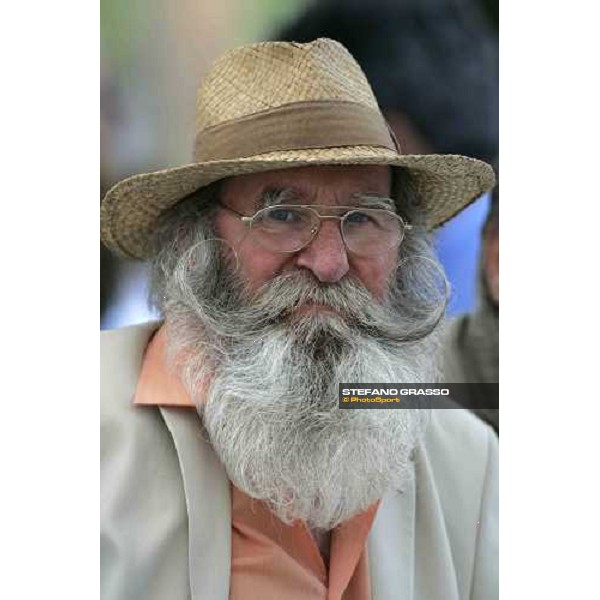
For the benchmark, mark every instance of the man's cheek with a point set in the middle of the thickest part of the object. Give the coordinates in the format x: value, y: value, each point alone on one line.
x: 375, y: 276
x: 258, y: 267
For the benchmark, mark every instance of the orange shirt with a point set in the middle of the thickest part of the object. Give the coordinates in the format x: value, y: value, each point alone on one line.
x: 269, y: 559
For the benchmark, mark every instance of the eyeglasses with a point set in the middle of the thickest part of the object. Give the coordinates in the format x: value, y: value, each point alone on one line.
x: 287, y: 228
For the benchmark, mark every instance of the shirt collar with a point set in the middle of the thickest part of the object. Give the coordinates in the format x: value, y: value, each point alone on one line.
x: 158, y: 385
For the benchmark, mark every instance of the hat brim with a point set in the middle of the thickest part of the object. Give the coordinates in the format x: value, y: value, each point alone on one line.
x: 129, y: 212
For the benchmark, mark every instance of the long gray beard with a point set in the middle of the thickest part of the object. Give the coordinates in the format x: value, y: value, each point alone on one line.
x: 273, y: 418
x: 271, y: 410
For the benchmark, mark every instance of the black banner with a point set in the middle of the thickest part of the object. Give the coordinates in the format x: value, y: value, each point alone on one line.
x: 418, y: 395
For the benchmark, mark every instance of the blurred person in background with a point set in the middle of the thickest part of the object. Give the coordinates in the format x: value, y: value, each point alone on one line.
x: 292, y: 254
x: 471, y: 344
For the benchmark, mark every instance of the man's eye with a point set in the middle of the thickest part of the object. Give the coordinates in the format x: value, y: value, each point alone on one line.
x: 358, y: 218
x: 284, y: 215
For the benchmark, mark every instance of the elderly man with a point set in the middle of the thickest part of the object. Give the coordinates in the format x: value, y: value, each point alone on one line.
x: 293, y: 254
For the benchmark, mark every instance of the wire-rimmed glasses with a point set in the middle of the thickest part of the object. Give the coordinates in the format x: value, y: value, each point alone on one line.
x: 287, y: 228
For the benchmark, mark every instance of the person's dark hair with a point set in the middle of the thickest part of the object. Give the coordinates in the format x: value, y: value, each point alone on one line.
x: 435, y: 61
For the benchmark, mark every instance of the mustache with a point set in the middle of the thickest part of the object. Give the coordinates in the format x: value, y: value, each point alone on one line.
x: 276, y: 301
x: 412, y: 309
x: 280, y: 297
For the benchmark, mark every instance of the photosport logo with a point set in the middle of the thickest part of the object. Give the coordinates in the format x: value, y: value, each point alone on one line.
x: 415, y: 395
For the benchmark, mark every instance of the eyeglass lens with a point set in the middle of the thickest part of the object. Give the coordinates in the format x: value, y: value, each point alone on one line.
x: 366, y: 232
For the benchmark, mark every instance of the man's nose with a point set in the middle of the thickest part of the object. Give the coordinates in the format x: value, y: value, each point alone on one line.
x: 326, y: 255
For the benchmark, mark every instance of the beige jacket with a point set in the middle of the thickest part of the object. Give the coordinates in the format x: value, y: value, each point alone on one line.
x: 165, y: 503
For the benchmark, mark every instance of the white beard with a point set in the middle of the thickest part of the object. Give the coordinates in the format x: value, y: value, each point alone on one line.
x: 273, y: 418
x: 271, y: 409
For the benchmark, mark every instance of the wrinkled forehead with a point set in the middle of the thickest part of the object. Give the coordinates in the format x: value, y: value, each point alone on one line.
x: 308, y: 185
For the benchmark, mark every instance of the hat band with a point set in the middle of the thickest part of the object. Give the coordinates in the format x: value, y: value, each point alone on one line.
x: 298, y: 126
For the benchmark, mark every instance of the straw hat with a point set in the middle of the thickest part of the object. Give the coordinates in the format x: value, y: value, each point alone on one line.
x: 277, y: 105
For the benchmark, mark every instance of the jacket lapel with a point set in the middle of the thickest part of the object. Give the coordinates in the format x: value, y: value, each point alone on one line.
x: 391, y: 547
x: 208, y: 501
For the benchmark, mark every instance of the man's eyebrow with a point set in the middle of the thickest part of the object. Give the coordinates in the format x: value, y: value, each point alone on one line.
x: 373, y: 200
x: 277, y: 195
x: 272, y: 196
